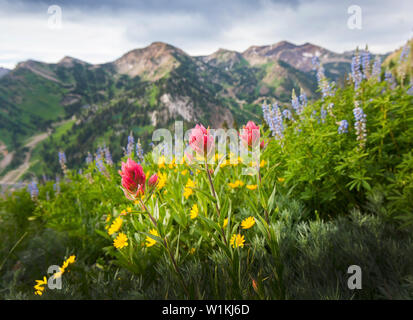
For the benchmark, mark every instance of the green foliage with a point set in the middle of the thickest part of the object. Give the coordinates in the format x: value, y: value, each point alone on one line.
x: 333, y: 173
x: 320, y: 201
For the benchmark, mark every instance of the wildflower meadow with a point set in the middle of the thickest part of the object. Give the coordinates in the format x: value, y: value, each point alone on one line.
x: 331, y: 188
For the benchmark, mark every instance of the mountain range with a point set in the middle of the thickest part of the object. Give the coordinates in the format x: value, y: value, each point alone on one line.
x: 81, y: 105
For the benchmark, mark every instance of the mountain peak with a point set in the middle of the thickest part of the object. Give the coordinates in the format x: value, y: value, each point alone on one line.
x: 151, y: 63
x: 68, y: 61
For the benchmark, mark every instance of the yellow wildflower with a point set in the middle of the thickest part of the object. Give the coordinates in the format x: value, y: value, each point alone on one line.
x: 161, y: 162
x: 71, y: 259
x: 123, y: 213
x: 149, y: 241
x: 225, y: 163
x: 129, y: 209
x: 115, y: 226
x: 251, y: 186
x: 247, y: 223
x: 39, y: 286
x: 184, y: 172
x: 188, y: 188
x: 281, y: 180
x: 192, y: 251
x: 41, y: 282
x: 237, y: 241
x: 225, y: 223
x: 162, y: 180
x: 120, y: 241
x: 263, y: 163
x: 172, y: 164
x: 234, y: 185
x: 194, y: 211
x: 218, y: 156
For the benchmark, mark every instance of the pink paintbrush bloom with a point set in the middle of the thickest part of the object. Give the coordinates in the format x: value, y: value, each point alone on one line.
x: 250, y: 134
x: 133, y: 179
x: 201, y: 141
x: 153, y: 180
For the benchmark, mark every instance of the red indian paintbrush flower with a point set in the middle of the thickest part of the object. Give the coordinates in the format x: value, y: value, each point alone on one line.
x: 201, y: 141
x: 133, y: 179
x: 250, y: 134
x: 153, y: 180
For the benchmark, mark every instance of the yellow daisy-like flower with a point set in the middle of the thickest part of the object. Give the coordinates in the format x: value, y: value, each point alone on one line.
x: 184, y: 172
x: 218, y: 156
x: 115, y: 226
x: 188, y: 188
x: 248, y: 223
x: 129, y: 209
x: 281, y: 180
x: 41, y: 282
x: 263, y: 163
x: 236, y: 184
x: 121, y: 241
x: 233, y: 185
x: 251, y: 186
x: 225, y: 223
x: 66, y: 263
x: 161, y: 162
x: 71, y: 259
x: 194, y: 211
x: 39, y: 286
x: 108, y: 218
x: 172, y: 164
x: 225, y: 163
x: 149, y: 241
x: 237, y: 241
x: 64, y: 266
x: 162, y: 180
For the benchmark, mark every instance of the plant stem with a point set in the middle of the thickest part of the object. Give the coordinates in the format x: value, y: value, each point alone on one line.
x: 168, y: 250
x: 181, y: 278
x: 149, y: 214
x: 215, y: 196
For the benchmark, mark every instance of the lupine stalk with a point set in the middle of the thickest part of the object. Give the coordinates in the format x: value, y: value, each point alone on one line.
x: 108, y: 156
x: 33, y: 190
x: 89, y: 158
x: 343, y: 126
x: 376, y: 68
x: 139, y: 151
x: 62, y: 161
x: 360, y: 124
x: 365, y: 63
x: 129, y: 147
x: 355, y: 71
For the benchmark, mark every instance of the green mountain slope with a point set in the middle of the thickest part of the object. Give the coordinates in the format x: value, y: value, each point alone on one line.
x: 145, y: 89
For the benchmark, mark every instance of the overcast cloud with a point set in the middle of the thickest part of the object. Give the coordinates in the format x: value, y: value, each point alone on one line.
x: 101, y: 31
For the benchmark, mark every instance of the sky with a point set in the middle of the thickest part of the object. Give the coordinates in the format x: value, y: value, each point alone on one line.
x: 101, y: 31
